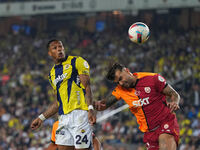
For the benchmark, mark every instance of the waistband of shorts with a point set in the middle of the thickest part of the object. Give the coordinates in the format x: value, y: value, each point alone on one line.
x: 154, y: 128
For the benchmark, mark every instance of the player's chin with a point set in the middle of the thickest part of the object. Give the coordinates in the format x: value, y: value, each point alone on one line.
x: 60, y: 58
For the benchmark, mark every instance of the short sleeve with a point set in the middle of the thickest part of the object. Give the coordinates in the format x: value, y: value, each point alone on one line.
x: 51, y: 82
x: 160, y: 82
x: 82, y: 66
x: 116, y: 94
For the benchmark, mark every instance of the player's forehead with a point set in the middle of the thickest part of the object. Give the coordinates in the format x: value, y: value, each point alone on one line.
x: 55, y: 43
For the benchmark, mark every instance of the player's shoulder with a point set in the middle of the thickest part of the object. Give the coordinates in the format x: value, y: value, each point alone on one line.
x: 77, y: 58
x: 52, y: 70
x: 144, y: 74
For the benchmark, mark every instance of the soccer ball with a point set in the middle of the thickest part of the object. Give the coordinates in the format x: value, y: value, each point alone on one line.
x: 138, y: 32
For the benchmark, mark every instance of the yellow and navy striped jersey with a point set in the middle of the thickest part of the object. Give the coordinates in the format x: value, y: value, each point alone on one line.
x: 64, y: 78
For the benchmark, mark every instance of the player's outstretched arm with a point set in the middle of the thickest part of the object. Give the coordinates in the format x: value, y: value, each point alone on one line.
x: 173, y: 96
x: 105, y: 103
x: 52, y: 109
x: 85, y: 80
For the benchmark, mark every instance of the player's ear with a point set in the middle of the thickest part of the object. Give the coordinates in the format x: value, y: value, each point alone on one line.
x: 49, y: 53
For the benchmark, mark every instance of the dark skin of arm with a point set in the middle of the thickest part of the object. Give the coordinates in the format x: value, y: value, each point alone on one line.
x: 52, y: 110
x: 85, y: 80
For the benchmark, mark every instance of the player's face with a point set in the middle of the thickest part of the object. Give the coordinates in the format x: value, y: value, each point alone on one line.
x: 56, y: 51
x: 124, y: 78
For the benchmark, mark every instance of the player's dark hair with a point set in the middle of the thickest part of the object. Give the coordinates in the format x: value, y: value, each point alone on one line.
x: 111, y: 72
x: 48, y: 44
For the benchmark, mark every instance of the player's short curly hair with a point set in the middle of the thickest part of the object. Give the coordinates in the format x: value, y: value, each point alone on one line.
x: 53, y: 40
x: 111, y: 72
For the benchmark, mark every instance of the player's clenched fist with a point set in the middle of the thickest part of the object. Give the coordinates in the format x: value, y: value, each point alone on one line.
x: 36, y: 123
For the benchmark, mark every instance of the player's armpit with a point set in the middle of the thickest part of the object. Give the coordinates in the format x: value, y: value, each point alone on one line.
x: 85, y: 80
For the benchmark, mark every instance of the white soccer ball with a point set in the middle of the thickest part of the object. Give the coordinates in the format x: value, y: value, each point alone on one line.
x: 138, y: 32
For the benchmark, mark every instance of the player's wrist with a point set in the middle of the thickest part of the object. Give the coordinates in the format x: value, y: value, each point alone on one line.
x: 42, y: 117
x: 90, y: 107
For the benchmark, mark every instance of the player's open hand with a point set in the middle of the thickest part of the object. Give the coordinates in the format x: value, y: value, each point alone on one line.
x: 173, y: 106
x: 99, y: 105
x: 36, y: 123
x: 92, y: 116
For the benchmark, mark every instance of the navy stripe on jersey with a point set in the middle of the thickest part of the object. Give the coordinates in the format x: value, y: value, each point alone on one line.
x: 84, y: 91
x: 73, y: 77
x: 59, y: 72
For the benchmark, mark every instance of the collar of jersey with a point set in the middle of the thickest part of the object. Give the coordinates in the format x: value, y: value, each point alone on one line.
x: 136, y: 83
x: 60, y: 64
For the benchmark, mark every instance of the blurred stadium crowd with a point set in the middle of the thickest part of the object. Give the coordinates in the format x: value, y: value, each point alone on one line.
x: 25, y: 91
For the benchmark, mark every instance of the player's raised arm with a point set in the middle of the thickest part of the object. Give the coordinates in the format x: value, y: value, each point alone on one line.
x: 105, y: 103
x: 52, y: 109
x: 85, y: 80
x: 173, y: 96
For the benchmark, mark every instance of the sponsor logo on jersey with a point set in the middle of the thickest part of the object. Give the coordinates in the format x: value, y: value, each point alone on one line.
x: 141, y: 102
x: 161, y: 79
x: 59, y: 78
x: 166, y: 126
x: 137, y: 93
x: 147, y: 89
x: 67, y: 66
x: 82, y: 131
x: 60, y: 132
x: 86, y: 64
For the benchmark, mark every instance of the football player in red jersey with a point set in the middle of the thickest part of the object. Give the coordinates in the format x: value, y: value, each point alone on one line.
x: 146, y: 93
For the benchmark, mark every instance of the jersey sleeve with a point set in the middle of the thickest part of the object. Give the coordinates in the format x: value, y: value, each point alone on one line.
x: 82, y: 66
x: 51, y: 81
x: 160, y: 82
x: 115, y: 93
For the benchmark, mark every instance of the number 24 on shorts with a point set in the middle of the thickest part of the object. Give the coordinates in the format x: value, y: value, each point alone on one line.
x: 79, y: 139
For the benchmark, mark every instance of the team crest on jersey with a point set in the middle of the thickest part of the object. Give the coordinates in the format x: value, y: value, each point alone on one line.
x: 147, y: 89
x: 161, y: 79
x: 67, y: 66
x: 86, y: 64
x: 82, y: 131
x: 166, y: 126
x: 137, y: 93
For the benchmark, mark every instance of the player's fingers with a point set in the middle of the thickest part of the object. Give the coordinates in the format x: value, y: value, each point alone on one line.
x: 92, y: 120
x: 174, y: 107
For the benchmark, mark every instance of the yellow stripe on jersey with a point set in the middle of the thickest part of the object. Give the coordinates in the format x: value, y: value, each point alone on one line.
x: 64, y: 78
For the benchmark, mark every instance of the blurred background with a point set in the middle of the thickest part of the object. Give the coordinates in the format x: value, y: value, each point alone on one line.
x: 97, y: 31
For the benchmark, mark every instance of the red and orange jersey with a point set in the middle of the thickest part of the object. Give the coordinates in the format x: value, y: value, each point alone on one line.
x: 53, y: 133
x: 146, y: 100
